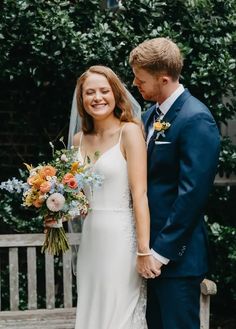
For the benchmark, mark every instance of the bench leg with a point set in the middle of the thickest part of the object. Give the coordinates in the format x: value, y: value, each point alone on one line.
x: 204, y: 311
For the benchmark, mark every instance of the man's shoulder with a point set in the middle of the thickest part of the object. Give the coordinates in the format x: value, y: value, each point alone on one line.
x: 194, y: 101
x: 194, y: 106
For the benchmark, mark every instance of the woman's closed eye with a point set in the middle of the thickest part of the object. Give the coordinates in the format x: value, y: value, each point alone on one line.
x: 91, y: 92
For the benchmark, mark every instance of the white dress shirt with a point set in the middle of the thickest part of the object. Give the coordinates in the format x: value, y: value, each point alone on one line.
x: 164, y: 107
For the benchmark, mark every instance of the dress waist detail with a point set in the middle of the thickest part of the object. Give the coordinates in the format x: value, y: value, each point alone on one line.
x: 113, y: 209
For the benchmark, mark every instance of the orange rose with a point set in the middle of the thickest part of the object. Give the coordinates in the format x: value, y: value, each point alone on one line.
x: 31, y: 179
x: 45, y: 187
x: 37, y: 203
x: 35, y: 180
x: 47, y: 171
x: 157, y: 126
x: 66, y: 178
x: 72, y: 183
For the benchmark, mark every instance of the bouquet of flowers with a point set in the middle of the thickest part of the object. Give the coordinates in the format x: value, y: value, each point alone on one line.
x: 55, y: 190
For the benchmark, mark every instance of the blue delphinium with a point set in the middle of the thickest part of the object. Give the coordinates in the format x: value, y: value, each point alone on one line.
x: 14, y: 186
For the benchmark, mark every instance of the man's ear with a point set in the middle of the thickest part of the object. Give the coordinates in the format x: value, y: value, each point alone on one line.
x: 165, y: 79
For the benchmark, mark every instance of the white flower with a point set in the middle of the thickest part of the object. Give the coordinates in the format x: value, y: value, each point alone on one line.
x: 51, y: 179
x: 74, y: 212
x: 43, y: 197
x: 64, y: 158
x: 33, y: 173
x: 55, y: 202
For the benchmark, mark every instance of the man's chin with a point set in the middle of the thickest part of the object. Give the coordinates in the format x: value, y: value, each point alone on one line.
x: 145, y: 96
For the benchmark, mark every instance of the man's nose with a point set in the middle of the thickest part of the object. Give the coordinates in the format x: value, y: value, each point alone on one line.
x: 135, y: 83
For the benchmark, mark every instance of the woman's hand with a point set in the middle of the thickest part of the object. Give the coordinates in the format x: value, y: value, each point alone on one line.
x: 50, y: 222
x: 148, y: 267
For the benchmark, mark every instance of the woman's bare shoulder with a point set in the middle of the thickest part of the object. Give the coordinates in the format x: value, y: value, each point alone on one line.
x: 132, y: 129
x: 76, y: 138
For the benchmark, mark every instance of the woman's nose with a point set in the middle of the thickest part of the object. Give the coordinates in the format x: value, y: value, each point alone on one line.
x: 98, y: 96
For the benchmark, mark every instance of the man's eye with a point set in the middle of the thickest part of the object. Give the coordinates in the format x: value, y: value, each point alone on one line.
x: 140, y: 81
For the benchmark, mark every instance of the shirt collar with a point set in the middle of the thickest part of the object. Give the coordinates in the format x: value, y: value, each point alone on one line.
x: 166, y: 105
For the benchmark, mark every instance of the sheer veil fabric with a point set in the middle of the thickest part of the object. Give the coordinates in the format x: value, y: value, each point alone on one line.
x: 75, y: 120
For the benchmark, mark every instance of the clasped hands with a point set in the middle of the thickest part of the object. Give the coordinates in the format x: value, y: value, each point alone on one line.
x: 148, y: 267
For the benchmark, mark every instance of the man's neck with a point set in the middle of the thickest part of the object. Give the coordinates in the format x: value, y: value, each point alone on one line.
x: 170, y: 89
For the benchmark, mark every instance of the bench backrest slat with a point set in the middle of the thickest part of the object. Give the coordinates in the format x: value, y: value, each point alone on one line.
x: 32, y: 278
x: 31, y: 241
x: 14, y: 278
x: 49, y: 276
x: 67, y: 279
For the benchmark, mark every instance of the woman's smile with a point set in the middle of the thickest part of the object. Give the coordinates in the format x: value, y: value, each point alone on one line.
x: 98, y: 97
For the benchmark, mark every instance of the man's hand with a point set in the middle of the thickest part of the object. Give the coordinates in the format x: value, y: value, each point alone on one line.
x: 148, y: 267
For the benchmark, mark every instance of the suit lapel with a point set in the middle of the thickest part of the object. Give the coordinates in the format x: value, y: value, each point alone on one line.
x: 176, y: 107
x: 169, y: 117
x: 147, y: 119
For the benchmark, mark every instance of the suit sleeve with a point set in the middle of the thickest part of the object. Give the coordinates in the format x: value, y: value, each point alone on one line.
x: 199, y: 144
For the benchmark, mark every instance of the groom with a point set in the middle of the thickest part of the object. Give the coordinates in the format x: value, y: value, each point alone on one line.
x: 183, y: 150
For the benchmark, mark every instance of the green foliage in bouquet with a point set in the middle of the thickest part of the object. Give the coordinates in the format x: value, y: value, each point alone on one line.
x: 55, y: 190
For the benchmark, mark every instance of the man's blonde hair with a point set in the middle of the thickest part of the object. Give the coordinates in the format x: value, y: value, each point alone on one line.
x: 158, y: 55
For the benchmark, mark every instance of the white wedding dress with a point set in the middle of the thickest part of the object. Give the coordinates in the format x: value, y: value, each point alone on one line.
x: 111, y: 294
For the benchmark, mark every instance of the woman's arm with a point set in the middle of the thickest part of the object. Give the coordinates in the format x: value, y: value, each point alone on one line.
x: 134, y: 148
x: 136, y: 156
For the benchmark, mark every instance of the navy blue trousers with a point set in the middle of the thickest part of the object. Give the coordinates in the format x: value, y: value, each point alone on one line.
x: 173, y: 303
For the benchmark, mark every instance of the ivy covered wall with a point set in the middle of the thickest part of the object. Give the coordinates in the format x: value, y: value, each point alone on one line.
x: 45, y: 45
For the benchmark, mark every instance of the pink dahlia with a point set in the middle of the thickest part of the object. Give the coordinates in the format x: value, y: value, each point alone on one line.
x: 55, y: 202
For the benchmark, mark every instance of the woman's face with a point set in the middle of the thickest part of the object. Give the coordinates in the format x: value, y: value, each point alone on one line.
x: 98, y: 97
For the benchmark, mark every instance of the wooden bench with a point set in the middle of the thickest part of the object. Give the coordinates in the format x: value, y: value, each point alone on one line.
x: 53, y: 317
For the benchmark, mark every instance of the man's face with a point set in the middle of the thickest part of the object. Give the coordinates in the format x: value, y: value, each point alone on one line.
x: 149, y: 85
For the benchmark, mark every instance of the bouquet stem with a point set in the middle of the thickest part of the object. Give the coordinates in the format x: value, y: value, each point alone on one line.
x: 55, y: 241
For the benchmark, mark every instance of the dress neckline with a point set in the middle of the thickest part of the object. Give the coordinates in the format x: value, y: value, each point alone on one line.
x: 103, y: 154
x: 106, y: 151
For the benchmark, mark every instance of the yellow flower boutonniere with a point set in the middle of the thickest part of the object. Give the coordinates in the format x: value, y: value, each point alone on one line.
x: 161, y: 127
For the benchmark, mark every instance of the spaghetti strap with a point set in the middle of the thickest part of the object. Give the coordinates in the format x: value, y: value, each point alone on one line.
x: 121, y: 130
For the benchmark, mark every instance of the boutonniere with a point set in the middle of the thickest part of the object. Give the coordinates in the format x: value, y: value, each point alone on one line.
x: 161, y: 127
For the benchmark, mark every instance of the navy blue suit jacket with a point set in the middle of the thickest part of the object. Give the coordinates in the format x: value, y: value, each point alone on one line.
x: 180, y: 176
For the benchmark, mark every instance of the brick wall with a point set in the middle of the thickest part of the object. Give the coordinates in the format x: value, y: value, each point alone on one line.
x: 28, y: 121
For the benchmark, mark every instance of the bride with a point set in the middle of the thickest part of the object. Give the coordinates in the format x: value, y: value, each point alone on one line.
x: 115, y: 238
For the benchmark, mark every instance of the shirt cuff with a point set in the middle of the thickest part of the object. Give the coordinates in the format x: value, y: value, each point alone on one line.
x: 161, y: 259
